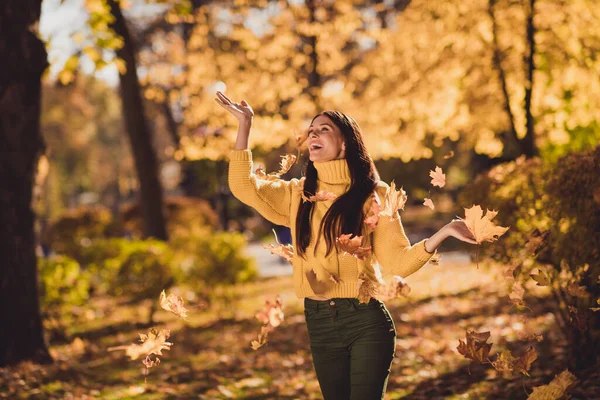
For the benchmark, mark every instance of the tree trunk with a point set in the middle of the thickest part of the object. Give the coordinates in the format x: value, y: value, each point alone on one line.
x: 528, y: 142
x: 21, y: 330
x: 146, y: 163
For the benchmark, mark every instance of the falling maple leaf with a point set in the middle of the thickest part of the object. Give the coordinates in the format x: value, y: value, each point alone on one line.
x: 262, y: 338
x: 438, y: 178
x: 394, y: 201
x: 481, y: 226
x: 272, y: 313
x: 523, y: 363
x: 152, y: 343
x: 367, y: 288
x: 321, y: 195
x: 286, y: 163
x: 475, y: 347
x: 541, y: 278
x: 174, y: 304
x: 576, y: 290
x: 372, y: 218
x: 395, y: 288
x: 556, y: 389
x: 516, y: 294
x: 429, y: 203
x: 352, y: 245
x: 285, y: 251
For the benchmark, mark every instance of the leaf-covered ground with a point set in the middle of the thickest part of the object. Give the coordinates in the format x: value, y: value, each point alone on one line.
x: 211, y: 356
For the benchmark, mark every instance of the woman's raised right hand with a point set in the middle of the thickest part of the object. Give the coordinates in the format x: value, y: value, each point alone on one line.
x: 242, y: 111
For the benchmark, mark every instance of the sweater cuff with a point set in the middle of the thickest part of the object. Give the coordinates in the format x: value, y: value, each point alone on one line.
x: 422, y: 254
x: 240, y: 155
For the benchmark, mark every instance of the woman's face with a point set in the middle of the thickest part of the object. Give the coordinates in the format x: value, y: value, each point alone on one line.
x: 325, y: 140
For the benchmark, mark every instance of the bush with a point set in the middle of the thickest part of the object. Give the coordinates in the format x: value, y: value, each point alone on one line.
x: 138, y: 269
x: 62, y: 283
x: 75, y: 228
x: 214, y: 259
x: 558, y: 206
x: 185, y: 216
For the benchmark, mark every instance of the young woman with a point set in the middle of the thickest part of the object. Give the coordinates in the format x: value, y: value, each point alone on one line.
x: 352, y: 342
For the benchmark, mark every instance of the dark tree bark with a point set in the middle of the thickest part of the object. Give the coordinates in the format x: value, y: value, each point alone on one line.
x: 528, y: 142
x: 146, y: 163
x: 21, y: 144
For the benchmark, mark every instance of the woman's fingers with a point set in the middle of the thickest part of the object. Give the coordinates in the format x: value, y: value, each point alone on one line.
x: 224, y: 98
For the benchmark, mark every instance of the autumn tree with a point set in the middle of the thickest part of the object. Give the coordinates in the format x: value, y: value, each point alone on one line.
x: 21, y: 335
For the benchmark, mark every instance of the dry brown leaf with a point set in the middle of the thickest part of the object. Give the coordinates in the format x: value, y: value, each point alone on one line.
x: 516, y: 294
x: 541, y: 278
x: 556, y: 389
x: 174, y: 304
x: 504, y: 363
x: 475, y: 347
x: 438, y: 178
x: 429, y: 203
x: 272, y: 313
x: 577, y: 290
x: 152, y: 343
x: 523, y: 363
x: 149, y: 362
x: 352, y: 245
x: 394, y: 201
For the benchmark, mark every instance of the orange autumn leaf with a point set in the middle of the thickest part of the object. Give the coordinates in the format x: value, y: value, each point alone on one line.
x: 429, y: 203
x: 481, y: 226
x: 394, y: 201
x: 367, y: 288
x: 576, y: 290
x: 523, y: 363
x: 438, y: 178
x: 152, y: 343
x: 174, y: 304
x: 475, y: 347
x: 272, y: 313
x: 352, y: 245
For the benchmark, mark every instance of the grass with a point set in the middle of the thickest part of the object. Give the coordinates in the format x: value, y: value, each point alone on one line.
x: 211, y: 356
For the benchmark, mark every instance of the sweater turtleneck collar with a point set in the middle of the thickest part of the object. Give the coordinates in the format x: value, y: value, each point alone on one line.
x: 333, y: 172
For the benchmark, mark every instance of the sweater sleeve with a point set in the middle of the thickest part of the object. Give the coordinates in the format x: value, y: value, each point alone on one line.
x: 272, y: 199
x: 393, y: 250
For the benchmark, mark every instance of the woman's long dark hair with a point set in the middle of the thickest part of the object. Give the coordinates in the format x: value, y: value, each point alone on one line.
x: 340, y: 218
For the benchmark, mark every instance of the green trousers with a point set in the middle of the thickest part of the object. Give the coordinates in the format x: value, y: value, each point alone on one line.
x: 352, y: 347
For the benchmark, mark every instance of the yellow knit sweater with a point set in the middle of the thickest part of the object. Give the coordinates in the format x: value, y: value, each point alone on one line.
x: 278, y: 201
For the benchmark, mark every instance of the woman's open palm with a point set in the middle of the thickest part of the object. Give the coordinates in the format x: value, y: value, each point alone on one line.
x: 242, y: 111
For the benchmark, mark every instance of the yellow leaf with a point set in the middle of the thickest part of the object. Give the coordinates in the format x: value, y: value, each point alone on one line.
x: 482, y: 226
x: 394, y: 201
x: 174, y: 304
x: 438, y: 178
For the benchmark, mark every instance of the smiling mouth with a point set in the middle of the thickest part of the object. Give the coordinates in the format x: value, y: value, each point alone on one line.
x: 315, y: 146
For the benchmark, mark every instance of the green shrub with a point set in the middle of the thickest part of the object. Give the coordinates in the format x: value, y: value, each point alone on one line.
x: 214, y: 259
x: 62, y: 283
x: 557, y: 204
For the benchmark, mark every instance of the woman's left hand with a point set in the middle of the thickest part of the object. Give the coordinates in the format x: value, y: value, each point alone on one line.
x: 458, y: 229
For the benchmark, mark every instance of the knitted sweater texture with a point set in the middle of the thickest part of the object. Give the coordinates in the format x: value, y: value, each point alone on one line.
x: 278, y: 201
